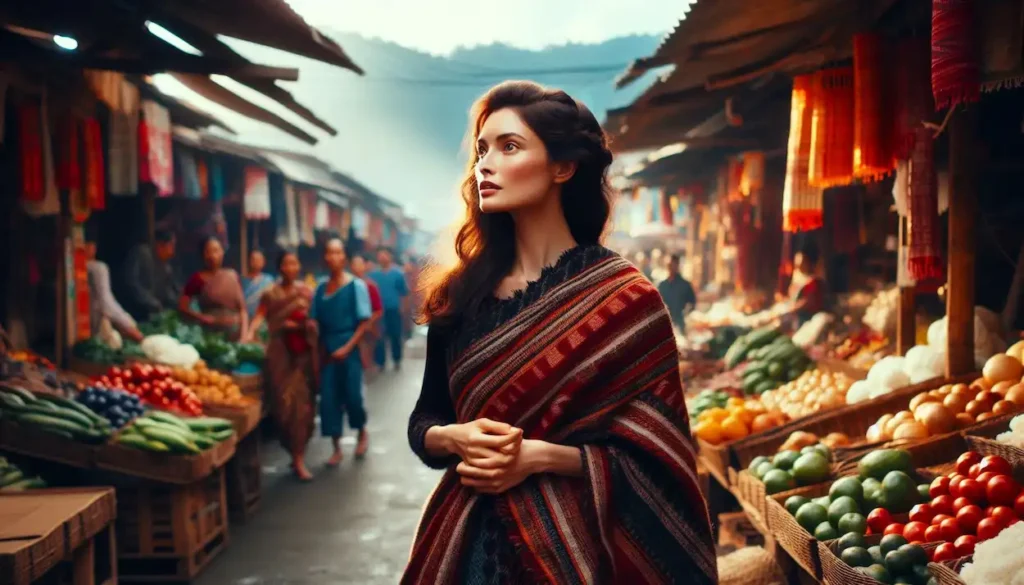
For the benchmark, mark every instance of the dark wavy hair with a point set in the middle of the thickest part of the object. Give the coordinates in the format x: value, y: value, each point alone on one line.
x: 485, y: 244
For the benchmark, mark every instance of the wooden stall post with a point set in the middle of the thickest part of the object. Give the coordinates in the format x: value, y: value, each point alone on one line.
x: 963, y: 209
x: 243, y: 240
x: 906, y: 326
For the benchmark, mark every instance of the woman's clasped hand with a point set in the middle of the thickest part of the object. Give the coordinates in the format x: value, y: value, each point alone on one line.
x: 495, y: 457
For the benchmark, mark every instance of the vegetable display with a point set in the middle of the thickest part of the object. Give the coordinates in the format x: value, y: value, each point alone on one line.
x: 790, y: 469
x: 53, y: 414
x: 773, y: 360
x: 812, y: 392
x: 117, y: 406
x: 893, y: 560
x: 153, y: 385
x: 736, y: 420
x: 211, y: 386
x: 13, y: 479
x: 162, y: 432
x: 212, y: 347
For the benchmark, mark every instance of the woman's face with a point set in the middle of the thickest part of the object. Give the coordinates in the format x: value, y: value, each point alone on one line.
x: 213, y: 254
x: 334, y: 256
x: 257, y: 262
x: 290, y: 267
x: 513, y: 169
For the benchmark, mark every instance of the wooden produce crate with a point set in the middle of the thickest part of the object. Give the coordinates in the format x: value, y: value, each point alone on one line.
x: 35, y: 442
x: 164, y: 467
x: 853, y: 420
x: 58, y: 537
x: 244, y: 479
x: 86, y: 368
x: 245, y: 418
x: 170, y: 533
x: 735, y: 529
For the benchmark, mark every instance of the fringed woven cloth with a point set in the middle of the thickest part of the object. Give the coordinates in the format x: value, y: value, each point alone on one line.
x: 913, y: 96
x: 873, y: 109
x: 801, y: 202
x: 956, y: 76
x: 832, y: 137
x: 924, y: 259
x: 591, y: 363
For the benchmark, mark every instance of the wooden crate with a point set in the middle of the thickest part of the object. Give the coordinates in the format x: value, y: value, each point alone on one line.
x: 735, y: 529
x: 244, y: 479
x: 170, y: 533
x: 93, y: 563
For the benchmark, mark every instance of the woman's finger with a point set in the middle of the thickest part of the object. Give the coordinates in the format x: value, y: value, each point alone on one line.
x: 495, y: 442
x: 471, y: 471
x: 494, y: 427
x: 496, y: 461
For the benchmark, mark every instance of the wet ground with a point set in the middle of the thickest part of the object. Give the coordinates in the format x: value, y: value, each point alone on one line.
x: 351, y: 525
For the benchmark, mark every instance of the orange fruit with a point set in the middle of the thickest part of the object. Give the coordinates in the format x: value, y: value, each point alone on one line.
x: 734, y: 428
x: 709, y: 431
x: 763, y: 422
x: 735, y: 402
x: 716, y: 414
x: 744, y: 415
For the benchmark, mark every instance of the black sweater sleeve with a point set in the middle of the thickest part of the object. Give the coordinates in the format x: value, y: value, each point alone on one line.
x: 434, y: 406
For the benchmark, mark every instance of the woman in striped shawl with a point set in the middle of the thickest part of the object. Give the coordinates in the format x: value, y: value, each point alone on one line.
x: 551, y: 394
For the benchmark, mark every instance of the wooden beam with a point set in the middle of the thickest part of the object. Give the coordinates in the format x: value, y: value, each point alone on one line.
x: 963, y: 210
x: 906, y: 323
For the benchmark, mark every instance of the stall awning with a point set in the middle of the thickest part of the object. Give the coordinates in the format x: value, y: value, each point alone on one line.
x: 309, y: 171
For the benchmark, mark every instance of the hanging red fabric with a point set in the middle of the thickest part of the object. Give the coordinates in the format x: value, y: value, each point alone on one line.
x: 30, y: 144
x: 924, y: 260
x: 832, y: 137
x: 873, y: 113
x: 801, y: 202
x: 69, y: 171
x: 666, y: 208
x: 956, y: 73
x: 95, y: 179
x: 913, y: 96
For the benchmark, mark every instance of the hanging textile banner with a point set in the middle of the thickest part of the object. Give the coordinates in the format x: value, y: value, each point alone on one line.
x: 30, y: 142
x: 913, y: 96
x: 956, y: 77
x: 666, y: 207
x: 95, y: 179
x: 321, y: 220
x: 752, y: 178
x: 801, y: 202
x: 924, y: 259
x: 360, y: 222
x: 48, y: 203
x: 307, y: 217
x: 156, y: 162
x: 873, y: 113
x: 256, y: 200
x: 832, y: 106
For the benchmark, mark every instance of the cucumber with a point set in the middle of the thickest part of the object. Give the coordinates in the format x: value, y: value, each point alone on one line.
x: 208, y: 424
x: 11, y: 402
x: 140, y: 442
x: 204, y: 442
x: 760, y: 337
x: 755, y: 368
x: 220, y: 436
x: 22, y: 393
x: 735, y: 354
x: 24, y: 484
x: 69, y: 404
x: 11, y: 477
x: 75, y: 416
x: 170, y: 438
x: 145, y: 423
x: 167, y: 418
x: 765, y: 386
x: 51, y: 422
x: 751, y: 383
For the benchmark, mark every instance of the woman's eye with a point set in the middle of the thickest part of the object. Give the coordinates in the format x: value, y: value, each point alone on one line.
x: 511, y: 146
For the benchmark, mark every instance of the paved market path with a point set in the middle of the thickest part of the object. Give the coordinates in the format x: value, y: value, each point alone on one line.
x: 351, y: 525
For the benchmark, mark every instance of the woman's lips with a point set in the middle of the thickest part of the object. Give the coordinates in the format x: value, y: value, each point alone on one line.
x: 487, y: 189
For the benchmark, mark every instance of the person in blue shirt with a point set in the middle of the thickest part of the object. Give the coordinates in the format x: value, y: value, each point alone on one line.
x: 394, y: 292
x: 341, y: 312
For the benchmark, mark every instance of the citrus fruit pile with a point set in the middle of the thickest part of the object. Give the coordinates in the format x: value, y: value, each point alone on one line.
x: 738, y: 419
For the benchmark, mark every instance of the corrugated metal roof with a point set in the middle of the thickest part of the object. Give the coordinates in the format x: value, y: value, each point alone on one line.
x: 307, y: 171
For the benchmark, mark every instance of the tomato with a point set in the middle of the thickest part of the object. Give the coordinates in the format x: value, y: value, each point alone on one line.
x: 996, y: 465
x: 989, y: 528
x: 972, y: 490
x: 940, y: 517
x: 943, y: 504
x: 914, y: 531
x: 1004, y: 514
x: 968, y: 518
x: 950, y: 529
x: 965, y: 461
x: 157, y: 393
x: 1018, y: 505
x: 974, y: 471
x: 965, y: 545
x: 894, y: 528
x: 939, y: 487
x: 960, y: 503
x: 1002, y: 490
x: 115, y: 371
x: 932, y: 534
x: 922, y: 513
x: 984, y: 477
x: 945, y: 552
x: 954, y: 485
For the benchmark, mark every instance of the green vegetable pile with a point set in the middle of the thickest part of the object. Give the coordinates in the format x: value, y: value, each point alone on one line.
x: 53, y: 414
x: 216, y: 350
x: 13, y: 479
x: 773, y: 360
x: 95, y: 351
x: 789, y: 469
x: 162, y: 432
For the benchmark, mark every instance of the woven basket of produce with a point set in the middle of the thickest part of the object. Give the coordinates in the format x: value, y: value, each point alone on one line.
x: 749, y: 566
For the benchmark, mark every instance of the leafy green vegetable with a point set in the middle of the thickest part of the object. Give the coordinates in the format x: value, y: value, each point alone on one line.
x: 213, y: 348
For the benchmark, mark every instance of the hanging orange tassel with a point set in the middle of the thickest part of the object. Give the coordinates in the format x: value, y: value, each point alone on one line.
x: 873, y: 114
x: 801, y: 202
x: 832, y: 100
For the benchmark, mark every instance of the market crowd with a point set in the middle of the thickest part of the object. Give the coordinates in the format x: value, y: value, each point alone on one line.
x: 326, y: 331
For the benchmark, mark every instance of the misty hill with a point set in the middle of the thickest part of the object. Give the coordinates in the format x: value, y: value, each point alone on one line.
x: 401, y: 126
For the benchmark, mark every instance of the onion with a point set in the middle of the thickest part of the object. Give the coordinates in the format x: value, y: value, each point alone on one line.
x: 1016, y: 394
x: 936, y: 417
x: 1002, y: 367
x: 964, y: 420
x: 911, y: 430
x: 956, y: 403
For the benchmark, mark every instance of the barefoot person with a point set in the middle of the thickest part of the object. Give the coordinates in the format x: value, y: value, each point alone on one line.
x: 291, y: 360
x: 341, y: 310
x: 551, y: 394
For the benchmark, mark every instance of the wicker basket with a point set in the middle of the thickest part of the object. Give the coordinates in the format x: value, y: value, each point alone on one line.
x: 948, y: 572
x: 749, y: 566
x: 835, y: 572
x: 981, y: 438
x: 799, y: 543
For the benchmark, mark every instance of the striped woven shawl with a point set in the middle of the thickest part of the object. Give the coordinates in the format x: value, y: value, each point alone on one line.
x: 592, y: 363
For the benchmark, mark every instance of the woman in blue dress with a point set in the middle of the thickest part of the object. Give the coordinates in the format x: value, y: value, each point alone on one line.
x: 341, y: 312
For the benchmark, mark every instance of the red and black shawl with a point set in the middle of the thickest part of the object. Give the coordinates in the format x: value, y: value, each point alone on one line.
x: 591, y: 362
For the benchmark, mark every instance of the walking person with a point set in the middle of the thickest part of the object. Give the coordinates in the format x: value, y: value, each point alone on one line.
x: 341, y: 311
x: 678, y: 293
x: 218, y: 293
x: 291, y: 362
x: 551, y: 394
x: 256, y: 281
x: 394, y: 292
x: 358, y: 268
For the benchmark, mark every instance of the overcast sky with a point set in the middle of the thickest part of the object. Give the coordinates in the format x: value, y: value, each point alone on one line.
x: 439, y: 26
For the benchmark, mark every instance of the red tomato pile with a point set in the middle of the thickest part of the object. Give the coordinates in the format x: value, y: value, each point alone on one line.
x: 972, y: 504
x: 154, y: 386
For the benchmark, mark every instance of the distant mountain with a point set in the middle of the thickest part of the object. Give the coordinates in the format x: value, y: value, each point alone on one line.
x: 402, y: 125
